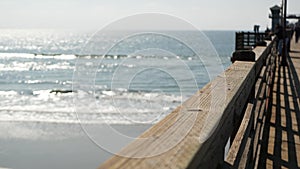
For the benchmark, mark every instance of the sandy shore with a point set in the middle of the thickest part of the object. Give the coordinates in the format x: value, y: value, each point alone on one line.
x: 30, y: 145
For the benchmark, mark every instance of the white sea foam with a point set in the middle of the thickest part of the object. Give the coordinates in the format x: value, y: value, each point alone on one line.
x: 8, y: 93
x: 112, y: 107
x: 30, y: 78
x: 37, y: 56
x: 33, y: 66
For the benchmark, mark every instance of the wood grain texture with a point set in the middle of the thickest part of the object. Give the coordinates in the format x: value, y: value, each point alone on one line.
x: 279, y: 141
x: 238, y: 146
x: 194, y: 134
x: 201, y: 134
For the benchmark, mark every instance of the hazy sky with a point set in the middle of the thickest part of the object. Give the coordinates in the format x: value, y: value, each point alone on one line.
x: 94, y: 14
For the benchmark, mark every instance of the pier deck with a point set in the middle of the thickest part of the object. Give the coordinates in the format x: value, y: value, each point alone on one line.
x: 280, y: 145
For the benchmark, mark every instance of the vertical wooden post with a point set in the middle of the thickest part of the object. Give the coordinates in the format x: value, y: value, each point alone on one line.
x: 248, y: 39
x: 242, y: 55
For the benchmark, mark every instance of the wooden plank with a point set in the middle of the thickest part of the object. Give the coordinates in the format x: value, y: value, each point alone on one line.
x: 262, y: 53
x: 258, y: 138
x: 260, y: 113
x: 258, y: 116
x: 294, y: 65
x: 237, y: 148
x: 233, y: 159
x: 244, y: 163
x: 194, y: 134
x: 260, y: 106
x: 280, y: 147
x: 211, y: 124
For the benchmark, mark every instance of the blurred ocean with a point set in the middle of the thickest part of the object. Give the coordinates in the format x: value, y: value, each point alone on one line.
x: 131, y: 85
x: 70, y: 99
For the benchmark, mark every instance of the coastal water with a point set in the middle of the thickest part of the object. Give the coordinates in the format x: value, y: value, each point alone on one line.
x: 44, y: 96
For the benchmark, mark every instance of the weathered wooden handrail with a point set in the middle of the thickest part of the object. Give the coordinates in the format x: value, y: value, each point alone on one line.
x: 195, y: 134
x: 245, y: 147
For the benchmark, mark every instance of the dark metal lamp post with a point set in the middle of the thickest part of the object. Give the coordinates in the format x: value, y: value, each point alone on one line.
x: 284, y: 48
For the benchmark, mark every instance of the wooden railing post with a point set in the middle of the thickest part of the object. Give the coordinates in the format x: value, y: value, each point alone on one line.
x: 242, y: 55
x: 242, y: 153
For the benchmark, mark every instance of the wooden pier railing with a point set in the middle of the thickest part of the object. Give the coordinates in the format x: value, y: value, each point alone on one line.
x: 245, y: 148
x: 194, y: 135
x: 248, y: 40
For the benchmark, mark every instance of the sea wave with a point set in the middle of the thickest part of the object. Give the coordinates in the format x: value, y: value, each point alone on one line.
x: 37, y: 56
x: 19, y: 66
x: 111, y: 107
x: 62, y: 56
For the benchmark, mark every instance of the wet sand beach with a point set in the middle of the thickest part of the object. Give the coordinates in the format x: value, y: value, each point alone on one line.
x: 29, y: 145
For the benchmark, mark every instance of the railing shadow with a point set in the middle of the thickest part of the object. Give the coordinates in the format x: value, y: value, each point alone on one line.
x: 294, y: 73
x: 278, y: 147
x: 294, y: 51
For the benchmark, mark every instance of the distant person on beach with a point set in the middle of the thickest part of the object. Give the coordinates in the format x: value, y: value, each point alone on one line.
x: 297, y: 30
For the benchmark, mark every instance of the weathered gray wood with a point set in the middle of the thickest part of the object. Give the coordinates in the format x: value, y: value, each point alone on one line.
x: 261, y: 54
x: 280, y: 141
x: 199, y: 128
x: 238, y: 146
x: 261, y: 103
x: 217, y: 102
x: 237, y: 150
x: 246, y: 156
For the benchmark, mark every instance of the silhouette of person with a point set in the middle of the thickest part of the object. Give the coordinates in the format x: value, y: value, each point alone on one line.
x: 297, y: 30
x: 279, y: 33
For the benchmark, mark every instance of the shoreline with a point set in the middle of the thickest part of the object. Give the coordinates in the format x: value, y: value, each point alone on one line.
x: 54, y: 145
